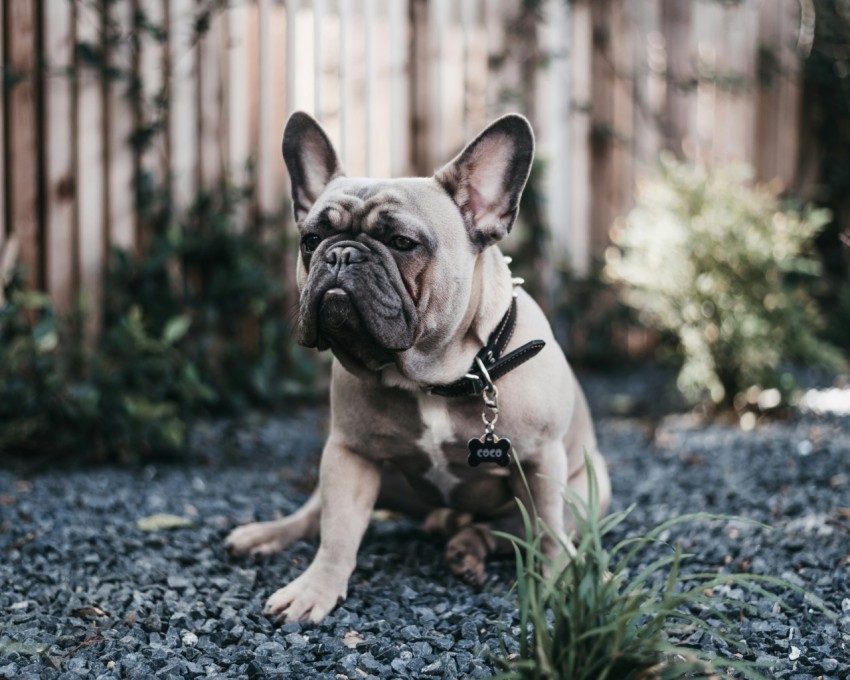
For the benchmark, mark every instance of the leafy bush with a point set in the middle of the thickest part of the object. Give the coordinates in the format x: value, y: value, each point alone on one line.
x: 605, y: 616
x: 719, y: 264
x: 230, y: 282
x: 133, y: 397
x: 29, y: 377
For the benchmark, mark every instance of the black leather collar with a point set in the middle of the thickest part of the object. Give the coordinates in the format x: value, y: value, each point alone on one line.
x: 473, y: 382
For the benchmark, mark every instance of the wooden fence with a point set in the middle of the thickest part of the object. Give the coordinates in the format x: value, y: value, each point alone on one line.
x: 399, y: 85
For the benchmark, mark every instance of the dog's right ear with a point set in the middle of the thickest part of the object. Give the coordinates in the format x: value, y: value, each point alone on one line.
x: 487, y: 178
x: 310, y: 159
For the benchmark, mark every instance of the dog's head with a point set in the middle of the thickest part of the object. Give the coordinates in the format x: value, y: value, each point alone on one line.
x: 386, y: 266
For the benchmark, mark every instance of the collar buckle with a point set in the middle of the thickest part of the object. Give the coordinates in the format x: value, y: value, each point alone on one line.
x: 476, y: 383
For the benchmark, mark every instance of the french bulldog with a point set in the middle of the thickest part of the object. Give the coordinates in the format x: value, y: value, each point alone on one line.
x: 403, y: 281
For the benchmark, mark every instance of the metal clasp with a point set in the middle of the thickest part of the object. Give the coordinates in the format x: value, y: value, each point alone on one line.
x: 491, y: 398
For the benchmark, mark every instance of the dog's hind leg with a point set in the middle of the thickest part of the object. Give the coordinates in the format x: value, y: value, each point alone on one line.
x: 264, y: 538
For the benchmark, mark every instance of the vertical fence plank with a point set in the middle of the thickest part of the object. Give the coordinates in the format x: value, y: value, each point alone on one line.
x: 252, y: 32
x: 330, y: 65
x: 495, y: 19
x: 120, y: 123
x: 269, y: 100
x: 734, y: 131
x: 452, y: 93
x: 711, y: 65
x: 23, y: 135
x: 558, y: 162
x: 60, y: 185
x: 369, y: 84
x: 183, y: 99
x: 264, y: 103
x: 238, y: 99
x: 625, y: 18
x: 344, y: 77
x: 581, y: 76
x: 676, y: 21
x: 282, y: 63
x: 382, y: 92
x: 399, y: 87
x: 649, y: 50
x: 151, y: 114
x: 91, y: 199
x: 357, y: 152
x: 211, y: 103
x: 420, y: 79
x: 788, y: 113
x: 602, y: 131
x: 318, y: 58
x: 767, y: 155
x: 290, y: 68
x: 477, y: 67
x: 467, y: 20
x: 438, y: 20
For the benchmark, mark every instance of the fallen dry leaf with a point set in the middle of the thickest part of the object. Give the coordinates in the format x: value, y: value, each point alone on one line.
x: 84, y: 612
x: 384, y: 515
x: 162, y: 521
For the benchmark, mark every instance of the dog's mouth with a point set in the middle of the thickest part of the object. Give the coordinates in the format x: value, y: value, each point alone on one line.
x: 339, y: 327
x: 337, y: 314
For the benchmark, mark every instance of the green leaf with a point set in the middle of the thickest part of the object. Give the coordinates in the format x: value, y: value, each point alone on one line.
x: 176, y: 329
x: 31, y: 299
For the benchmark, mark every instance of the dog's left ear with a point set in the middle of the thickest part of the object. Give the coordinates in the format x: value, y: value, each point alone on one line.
x: 310, y: 159
x: 487, y: 178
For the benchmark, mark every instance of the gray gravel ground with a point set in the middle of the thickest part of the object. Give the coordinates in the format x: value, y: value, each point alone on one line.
x: 85, y: 593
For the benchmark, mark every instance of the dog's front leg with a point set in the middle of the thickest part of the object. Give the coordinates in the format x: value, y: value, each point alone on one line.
x: 547, y: 482
x: 349, y: 485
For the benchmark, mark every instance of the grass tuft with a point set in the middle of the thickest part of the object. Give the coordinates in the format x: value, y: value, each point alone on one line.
x: 607, y: 615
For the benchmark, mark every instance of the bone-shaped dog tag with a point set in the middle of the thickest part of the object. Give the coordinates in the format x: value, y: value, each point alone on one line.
x: 489, y: 448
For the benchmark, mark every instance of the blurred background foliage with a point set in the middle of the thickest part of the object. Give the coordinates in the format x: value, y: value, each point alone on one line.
x: 727, y: 282
x: 722, y: 268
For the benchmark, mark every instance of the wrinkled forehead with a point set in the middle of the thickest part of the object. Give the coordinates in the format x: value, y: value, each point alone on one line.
x: 355, y: 203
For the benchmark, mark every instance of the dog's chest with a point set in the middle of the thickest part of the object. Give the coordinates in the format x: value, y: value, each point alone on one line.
x: 437, y: 433
x: 425, y: 437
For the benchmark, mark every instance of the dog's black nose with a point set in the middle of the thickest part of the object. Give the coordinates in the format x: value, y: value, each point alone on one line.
x: 344, y: 255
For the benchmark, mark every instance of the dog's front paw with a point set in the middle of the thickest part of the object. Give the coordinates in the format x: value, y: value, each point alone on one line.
x: 262, y: 538
x: 310, y: 597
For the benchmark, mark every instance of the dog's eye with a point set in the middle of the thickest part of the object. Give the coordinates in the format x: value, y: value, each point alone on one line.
x: 402, y: 243
x: 310, y: 242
